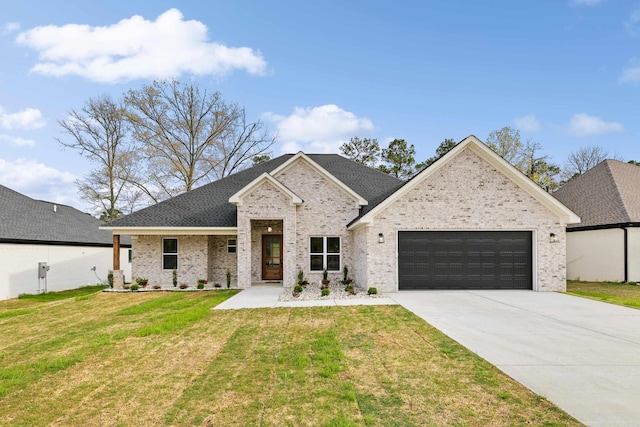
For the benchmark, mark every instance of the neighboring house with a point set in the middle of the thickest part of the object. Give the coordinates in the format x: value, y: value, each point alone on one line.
x: 605, y: 246
x: 469, y: 221
x: 70, y: 242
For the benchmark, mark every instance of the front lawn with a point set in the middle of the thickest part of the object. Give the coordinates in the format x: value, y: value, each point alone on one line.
x: 167, y: 359
x: 615, y: 293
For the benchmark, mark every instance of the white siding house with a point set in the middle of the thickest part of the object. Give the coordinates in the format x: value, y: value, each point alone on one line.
x: 70, y: 242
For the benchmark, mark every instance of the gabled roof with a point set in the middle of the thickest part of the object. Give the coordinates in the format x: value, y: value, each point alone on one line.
x: 322, y: 171
x: 486, y: 153
x: 25, y: 220
x: 236, y: 198
x: 208, y: 206
x: 606, y: 194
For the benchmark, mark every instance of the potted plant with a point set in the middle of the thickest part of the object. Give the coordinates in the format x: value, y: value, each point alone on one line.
x: 325, y: 277
x: 297, y: 290
x: 141, y: 281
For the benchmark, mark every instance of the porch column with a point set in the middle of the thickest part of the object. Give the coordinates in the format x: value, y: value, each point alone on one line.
x: 116, y: 252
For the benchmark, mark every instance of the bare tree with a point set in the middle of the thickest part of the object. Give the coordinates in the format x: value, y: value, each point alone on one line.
x: 583, y: 159
x: 189, y: 136
x: 100, y: 133
x: 240, y: 145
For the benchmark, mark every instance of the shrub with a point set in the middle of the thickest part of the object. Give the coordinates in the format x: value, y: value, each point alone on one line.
x: 175, y: 277
x: 297, y: 288
x: 228, y: 278
x: 141, y: 281
x: 350, y: 289
x: 110, y: 279
x: 324, y: 292
x: 345, y: 274
x: 325, y: 274
x: 372, y: 291
x: 134, y: 287
x: 200, y: 285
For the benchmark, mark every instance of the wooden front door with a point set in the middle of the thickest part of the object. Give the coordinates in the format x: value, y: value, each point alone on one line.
x: 271, y: 257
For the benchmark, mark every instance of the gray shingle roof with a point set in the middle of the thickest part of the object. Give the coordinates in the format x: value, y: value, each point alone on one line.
x: 208, y: 206
x: 27, y: 220
x: 609, y: 193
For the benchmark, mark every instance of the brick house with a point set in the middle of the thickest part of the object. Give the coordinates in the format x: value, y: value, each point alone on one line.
x: 469, y: 221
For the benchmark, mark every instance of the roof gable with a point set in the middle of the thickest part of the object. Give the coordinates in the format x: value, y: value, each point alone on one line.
x: 361, y: 201
x: 486, y: 153
x: 237, y: 197
x: 608, y: 193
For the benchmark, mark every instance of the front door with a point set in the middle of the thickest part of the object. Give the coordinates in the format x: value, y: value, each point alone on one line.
x: 271, y: 257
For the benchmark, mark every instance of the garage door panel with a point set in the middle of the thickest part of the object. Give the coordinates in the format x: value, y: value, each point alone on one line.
x: 465, y: 260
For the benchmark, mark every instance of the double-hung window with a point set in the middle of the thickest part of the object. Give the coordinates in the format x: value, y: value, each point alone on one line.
x: 169, y: 254
x: 324, y: 253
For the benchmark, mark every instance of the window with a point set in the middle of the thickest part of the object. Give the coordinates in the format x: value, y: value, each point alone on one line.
x: 169, y: 254
x: 324, y: 253
x: 232, y: 246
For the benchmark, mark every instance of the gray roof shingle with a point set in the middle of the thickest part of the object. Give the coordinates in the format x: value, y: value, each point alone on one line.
x: 208, y: 206
x: 28, y: 220
x: 609, y: 193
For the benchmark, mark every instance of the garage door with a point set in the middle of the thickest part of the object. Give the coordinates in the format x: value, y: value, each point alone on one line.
x: 464, y: 260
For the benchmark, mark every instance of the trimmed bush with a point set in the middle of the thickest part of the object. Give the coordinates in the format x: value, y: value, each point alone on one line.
x: 324, y: 292
x: 372, y: 291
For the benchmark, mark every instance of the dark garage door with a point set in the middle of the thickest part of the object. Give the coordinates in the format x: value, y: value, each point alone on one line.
x: 464, y: 260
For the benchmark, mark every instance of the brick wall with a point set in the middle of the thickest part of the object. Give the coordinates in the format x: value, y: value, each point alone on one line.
x: 326, y: 211
x: 192, y: 259
x: 219, y: 260
x: 467, y: 193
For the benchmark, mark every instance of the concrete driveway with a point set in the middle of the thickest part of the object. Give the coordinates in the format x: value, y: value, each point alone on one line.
x: 583, y: 355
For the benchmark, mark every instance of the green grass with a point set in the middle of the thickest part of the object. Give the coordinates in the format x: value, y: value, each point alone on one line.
x: 611, y: 292
x: 153, y: 359
x: 71, y: 293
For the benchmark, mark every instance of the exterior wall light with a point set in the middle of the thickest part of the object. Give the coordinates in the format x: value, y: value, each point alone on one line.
x: 553, y: 238
x: 380, y: 238
x: 269, y: 229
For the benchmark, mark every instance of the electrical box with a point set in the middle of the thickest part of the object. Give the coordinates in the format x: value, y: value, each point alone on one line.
x: 42, y: 270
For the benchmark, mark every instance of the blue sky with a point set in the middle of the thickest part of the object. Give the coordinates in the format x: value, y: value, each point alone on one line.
x: 564, y: 72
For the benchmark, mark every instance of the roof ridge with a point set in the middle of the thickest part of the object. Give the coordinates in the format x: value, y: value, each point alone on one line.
x: 619, y: 182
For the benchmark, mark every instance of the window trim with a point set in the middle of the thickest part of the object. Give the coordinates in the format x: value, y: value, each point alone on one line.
x: 171, y: 253
x: 234, y: 246
x: 325, y: 253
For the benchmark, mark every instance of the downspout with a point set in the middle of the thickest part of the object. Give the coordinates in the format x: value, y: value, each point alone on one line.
x: 626, y: 255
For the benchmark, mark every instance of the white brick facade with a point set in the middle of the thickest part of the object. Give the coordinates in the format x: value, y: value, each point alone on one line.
x: 192, y: 259
x: 470, y: 189
x: 467, y: 193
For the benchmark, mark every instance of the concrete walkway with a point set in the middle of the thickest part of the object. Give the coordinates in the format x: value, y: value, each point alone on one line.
x: 266, y: 296
x: 582, y: 355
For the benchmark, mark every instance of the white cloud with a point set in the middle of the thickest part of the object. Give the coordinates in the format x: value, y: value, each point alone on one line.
x: 582, y: 125
x: 632, y: 25
x: 18, y: 142
x: 9, y: 27
x: 136, y: 48
x: 586, y: 2
x: 318, y: 129
x: 631, y: 73
x: 29, y: 118
x: 39, y: 181
x: 528, y: 123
